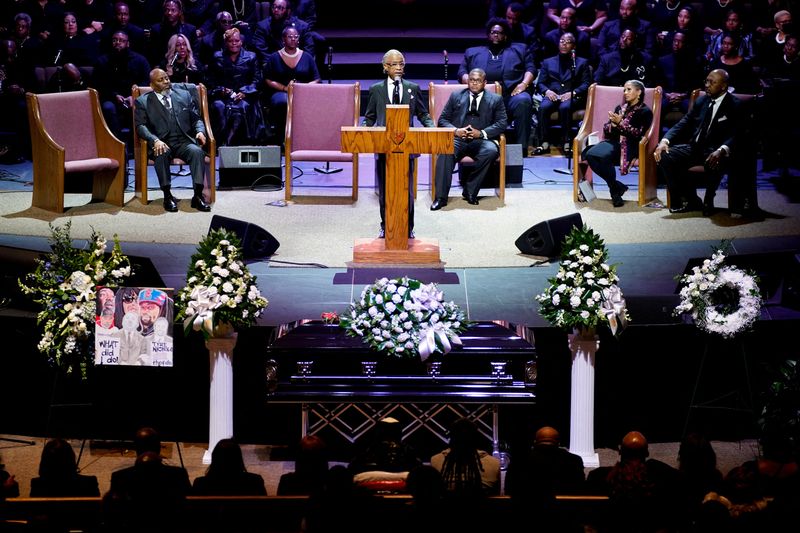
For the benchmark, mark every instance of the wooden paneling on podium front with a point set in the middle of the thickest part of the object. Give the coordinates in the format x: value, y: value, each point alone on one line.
x: 398, y: 141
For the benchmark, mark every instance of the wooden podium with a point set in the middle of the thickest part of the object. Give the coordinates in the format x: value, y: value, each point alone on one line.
x: 398, y: 141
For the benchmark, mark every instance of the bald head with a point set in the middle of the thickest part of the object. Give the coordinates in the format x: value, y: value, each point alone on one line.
x: 634, y: 444
x: 716, y: 82
x: 547, y: 436
x: 147, y: 440
x: 159, y: 81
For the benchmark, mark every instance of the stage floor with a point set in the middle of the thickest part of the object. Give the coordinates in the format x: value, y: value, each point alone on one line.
x: 646, y: 270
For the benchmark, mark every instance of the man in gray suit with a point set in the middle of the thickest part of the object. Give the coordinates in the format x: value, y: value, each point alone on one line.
x: 395, y: 90
x: 168, y: 119
x: 479, y: 118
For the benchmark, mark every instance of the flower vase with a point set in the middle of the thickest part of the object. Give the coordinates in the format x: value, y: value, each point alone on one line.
x: 220, y: 413
x: 584, y: 344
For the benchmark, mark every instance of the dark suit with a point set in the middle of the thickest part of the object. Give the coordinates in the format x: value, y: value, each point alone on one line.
x: 153, y: 124
x: 686, y: 150
x: 509, y: 68
x: 267, y: 36
x: 556, y: 75
x: 375, y: 115
x: 608, y: 39
x: 583, y: 44
x: 617, y: 67
x: 147, y: 497
x: 491, y: 119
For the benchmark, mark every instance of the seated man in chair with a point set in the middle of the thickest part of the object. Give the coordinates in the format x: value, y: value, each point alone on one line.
x: 704, y: 136
x: 479, y: 118
x: 169, y: 121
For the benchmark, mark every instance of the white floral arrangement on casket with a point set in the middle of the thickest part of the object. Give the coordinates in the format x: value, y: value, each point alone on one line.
x: 405, y: 318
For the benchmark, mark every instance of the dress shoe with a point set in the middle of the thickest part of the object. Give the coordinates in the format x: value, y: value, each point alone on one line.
x: 411, y: 234
x: 381, y: 233
x: 438, y: 204
x: 543, y: 149
x: 170, y: 204
x: 472, y: 199
x: 199, y: 203
x: 464, y: 194
x: 616, y: 194
x: 687, y: 207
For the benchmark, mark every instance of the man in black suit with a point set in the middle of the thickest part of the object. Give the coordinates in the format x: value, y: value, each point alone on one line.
x: 536, y: 478
x: 704, y: 136
x: 395, y: 90
x: 479, y: 118
x: 625, y: 63
x: 512, y: 65
x: 608, y: 39
x: 267, y: 33
x: 169, y: 121
x: 563, y: 83
x: 150, y: 493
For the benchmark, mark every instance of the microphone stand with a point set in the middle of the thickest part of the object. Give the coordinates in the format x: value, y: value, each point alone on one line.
x: 181, y: 171
x: 327, y: 169
x: 444, y: 52
x: 568, y: 155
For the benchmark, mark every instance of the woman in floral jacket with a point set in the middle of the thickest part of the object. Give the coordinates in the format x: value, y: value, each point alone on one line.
x: 622, y: 133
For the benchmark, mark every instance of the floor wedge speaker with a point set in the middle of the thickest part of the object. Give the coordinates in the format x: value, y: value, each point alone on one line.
x: 256, y: 242
x: 249, y: 166
x: 545, y: 238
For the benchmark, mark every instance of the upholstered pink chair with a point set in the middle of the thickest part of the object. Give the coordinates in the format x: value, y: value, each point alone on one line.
x: 438, y: 94
x: 315, y: 115
x: 601, y: 100
x: 70, y: 135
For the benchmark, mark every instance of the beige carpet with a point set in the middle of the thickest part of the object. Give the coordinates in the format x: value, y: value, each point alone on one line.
x: 469, y: 236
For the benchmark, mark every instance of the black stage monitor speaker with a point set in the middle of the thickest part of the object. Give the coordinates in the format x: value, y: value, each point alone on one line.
x: 246, y: 166
x: 545, y: 238
x: 514, y: 163
x: 256, y: 242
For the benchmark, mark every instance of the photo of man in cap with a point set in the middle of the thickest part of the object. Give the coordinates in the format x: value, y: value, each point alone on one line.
x: 153, y: 303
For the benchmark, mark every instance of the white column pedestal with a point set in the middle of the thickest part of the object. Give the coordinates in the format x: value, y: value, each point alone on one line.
x: 581, y: 422
x: 220, y: 412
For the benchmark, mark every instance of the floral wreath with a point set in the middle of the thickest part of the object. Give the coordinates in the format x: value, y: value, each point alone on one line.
x: 584, y: 291
x: 220, y: 293
x: 404, y: 317
x: 721, y: 299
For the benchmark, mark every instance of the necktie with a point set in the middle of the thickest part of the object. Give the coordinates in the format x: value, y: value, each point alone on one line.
x: 473, y: 107
x: 166, y: 102
x: 396, y: 94
x: 701, y: 135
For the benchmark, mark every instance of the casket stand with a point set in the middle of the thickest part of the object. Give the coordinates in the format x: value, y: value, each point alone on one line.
x: 345, y: 387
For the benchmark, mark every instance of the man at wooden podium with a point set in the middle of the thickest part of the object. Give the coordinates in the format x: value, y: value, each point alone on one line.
x: 395, y: 90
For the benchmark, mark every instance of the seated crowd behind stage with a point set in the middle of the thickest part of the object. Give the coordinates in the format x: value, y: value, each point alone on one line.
x: 449, y: 488
x: 116, y: 44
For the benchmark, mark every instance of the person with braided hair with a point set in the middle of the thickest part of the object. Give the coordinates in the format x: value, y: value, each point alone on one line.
x: 466, y: 469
